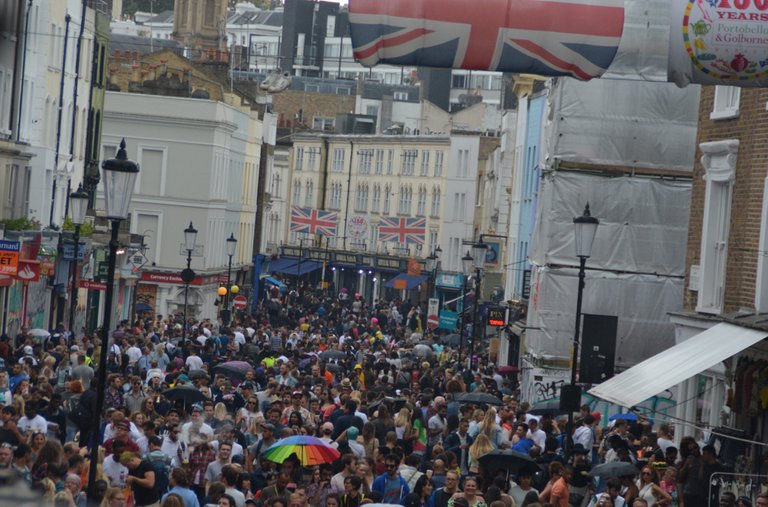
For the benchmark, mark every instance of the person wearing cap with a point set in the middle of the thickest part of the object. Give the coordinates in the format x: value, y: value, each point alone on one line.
x: 196, y: 426
x: 122, y: 433
x: 296, y: 406
x: 356, y: 447
x: 256, y: 451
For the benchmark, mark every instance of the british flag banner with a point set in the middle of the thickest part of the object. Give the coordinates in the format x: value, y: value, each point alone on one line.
x: 402, y: 230
x: 314, y: 221
x: 577, y: 38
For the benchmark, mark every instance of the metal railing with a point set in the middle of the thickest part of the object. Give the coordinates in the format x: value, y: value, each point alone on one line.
x: 741, y: 485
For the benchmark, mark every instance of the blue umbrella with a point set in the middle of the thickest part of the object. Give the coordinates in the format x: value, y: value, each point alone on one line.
x: 631, y: 417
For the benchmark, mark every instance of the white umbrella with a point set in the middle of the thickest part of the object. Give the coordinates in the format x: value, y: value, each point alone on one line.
x: 39, y: 333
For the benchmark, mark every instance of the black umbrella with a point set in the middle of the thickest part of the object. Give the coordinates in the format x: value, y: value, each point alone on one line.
x: 548, y: 407
x: 333, y: 367
x: 333, y: 354
x: 395, y: 403
x: 507, y: 459
x: 233, y: 369
x: 188, y: 395
x: 614, y: 469
x: 197, y: 374
x: 476, y: 397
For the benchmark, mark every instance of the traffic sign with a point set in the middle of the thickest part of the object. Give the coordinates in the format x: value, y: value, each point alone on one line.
x: 448, y: 320
x: 239, y: 303
x: 432, y: 310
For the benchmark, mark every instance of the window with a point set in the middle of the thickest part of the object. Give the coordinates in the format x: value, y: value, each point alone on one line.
x: 719, y: 162
x: 276, y: 190
x: 433, y: 240
x: 438, y: 163
x: 310, y: 88
x: 726, y: 103
x: 299, y: 159
x: 376, y: 202
x: 296, y: 200
x: 406, y: 199
x: 361, y: 202
x: 463, y: 164
x: 422, y: 203
x: 435, y: 208
x: 323, y: 123
x: 379, y: 161
x: 424, y: 163
x: 336, y: 195
x: 338, y: 160
x: 409, y: 162
x: 5, y: 100
x: 372, y: 110
x: 312, y: 159
x: 16, y: 185
x: 308, y: 198
x: 459, y: 81
x: 387, y: 198
x: 402, y: 96
x: 390, y: 162
x: 364, y: 161
x: 152, y: 171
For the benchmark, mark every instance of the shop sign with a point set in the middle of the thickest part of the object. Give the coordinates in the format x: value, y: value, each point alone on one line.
x: 318, y: 255
x: 450, y: 280
x: 366, y: 261
x: 29, y: 271
x: 387, y: 263
x: 448, y: 320
x: 343, y: 258
x: 9, y: 257
x: 90, y: 285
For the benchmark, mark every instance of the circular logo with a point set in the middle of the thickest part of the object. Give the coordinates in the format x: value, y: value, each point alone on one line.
x: 726, y: 39
x: 357, y: 227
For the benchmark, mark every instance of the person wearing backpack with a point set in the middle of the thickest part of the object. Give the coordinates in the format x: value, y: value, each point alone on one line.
x: 161, y: 464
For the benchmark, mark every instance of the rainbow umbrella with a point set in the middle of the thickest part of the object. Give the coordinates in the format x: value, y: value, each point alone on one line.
x: 309, y: 450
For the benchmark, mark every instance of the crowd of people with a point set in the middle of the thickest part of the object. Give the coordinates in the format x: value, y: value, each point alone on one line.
x: 193, y: 411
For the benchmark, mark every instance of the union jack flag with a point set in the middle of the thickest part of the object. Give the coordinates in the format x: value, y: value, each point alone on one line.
x: 576, y: 38
x: 403, y: 230
x: 314, y: 221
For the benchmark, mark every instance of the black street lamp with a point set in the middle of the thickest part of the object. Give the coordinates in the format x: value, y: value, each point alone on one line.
x: 586, y: 228
x: 119, y: 180
x: 78, y: 205
x: 433, y: 261
x: 478, y: 261
x: 187, y: 275
x: 466, y: 267
x: 231, y: 246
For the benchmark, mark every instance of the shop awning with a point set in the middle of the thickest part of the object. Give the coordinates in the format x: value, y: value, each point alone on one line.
x: 405, y: 281
x: 274, y: 281
x: 677, y: 364
x: 293, y: 267
x: 280, y: 265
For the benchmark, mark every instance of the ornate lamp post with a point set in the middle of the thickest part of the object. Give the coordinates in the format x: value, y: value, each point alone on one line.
x: 478, y: 261
x: 231, y: 247
x: 78, y: 205
x: 187, y: 275
x: 466, y: 268
x: 585, y: 230
x: 119, y: 180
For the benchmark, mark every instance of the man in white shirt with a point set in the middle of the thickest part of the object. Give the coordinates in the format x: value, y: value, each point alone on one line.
x: 584, y: 434
x: 133, y: 353
x: 193, y: 361
x: 115, y: 473
x: 32, y: 421
x: 196, y: 426
x: 536, y: 434
x: 666, y: 435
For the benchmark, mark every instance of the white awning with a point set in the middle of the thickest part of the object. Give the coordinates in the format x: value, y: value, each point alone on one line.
x: 676, y: 364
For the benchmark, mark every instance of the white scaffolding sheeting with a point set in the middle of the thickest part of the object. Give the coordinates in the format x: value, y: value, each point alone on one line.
x: 641, y: 303
x: 643, y: 222
x: 623, y: 123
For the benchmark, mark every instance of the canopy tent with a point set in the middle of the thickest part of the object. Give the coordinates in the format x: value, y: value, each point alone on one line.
x: 405, y: 281
x: 280, y: 265
x: 677, y: 364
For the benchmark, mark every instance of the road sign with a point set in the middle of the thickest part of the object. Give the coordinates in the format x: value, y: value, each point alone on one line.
x: 9, y: 257
x: 448, y: 320
x: 138, y: 259
x: 239, y: 303
x: 432, y: 309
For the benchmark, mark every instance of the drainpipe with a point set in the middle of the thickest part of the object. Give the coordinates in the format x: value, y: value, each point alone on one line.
x: 68, y: 18
x: 77, y: 78
x: 23, y: 71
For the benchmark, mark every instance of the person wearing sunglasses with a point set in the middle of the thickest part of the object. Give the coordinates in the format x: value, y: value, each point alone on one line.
x: 649, y: 489
x: 390, y: 485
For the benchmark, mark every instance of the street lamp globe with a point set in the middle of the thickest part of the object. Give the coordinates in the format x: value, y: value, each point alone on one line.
x: 222, y: 291
x: 478, y: 254
x: 190, y: 236
x: 234, y: 289
x: 467, y: 264
x: 431, y: 262
x: 586, y: 228
x: 231, y: 244
x: 119, y: 181
x: 78, y: 205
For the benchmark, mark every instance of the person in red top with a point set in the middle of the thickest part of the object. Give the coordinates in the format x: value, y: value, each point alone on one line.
x: 122, y: 433
x: 560, y: 492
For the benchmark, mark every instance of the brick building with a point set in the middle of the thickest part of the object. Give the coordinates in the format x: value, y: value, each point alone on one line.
x: 720, y: 333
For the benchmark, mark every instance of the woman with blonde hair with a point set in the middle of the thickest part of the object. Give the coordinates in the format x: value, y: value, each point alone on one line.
x: 48, y: 371
x: 403, y: 424
x: 369, y: 440
x: 219, y: 415
x: 490, y: 428
x: 114, y: 497
x: 480, y: 447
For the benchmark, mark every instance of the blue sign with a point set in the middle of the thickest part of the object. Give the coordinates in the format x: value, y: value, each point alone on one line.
x: 68, y: 251
x: 448, y: 320
x: 450, y: 280
x: 10, y: 246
